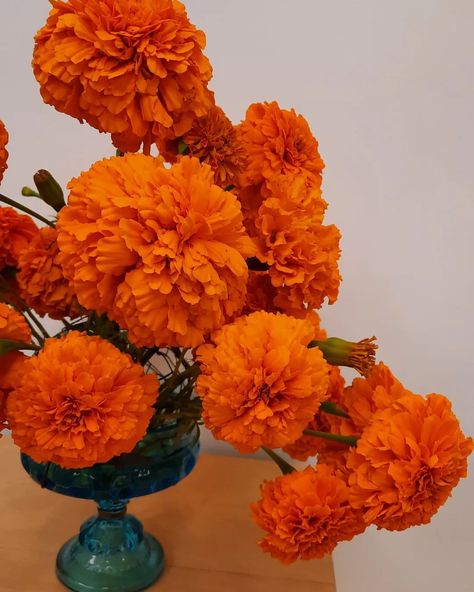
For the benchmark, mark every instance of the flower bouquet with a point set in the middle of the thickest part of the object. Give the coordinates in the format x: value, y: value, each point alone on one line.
x: 185, y: 272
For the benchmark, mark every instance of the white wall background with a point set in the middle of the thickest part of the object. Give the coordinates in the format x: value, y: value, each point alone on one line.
x: 388, y: 90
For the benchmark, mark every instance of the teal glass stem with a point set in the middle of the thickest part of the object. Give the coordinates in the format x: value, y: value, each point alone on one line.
x: 112, y: 553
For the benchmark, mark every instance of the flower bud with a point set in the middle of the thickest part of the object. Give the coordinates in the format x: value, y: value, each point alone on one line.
x: 338, y: 352
x: 49, y: 190
x: 28, y: 192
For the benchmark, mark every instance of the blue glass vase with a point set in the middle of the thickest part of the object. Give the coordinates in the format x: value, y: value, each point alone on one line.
x: 112, y: 553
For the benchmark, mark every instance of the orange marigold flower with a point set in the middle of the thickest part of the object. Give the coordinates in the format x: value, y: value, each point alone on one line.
x: 407, y: 462
x: 42, y: 284
x: 307, y: 446
x: 278, y: 141
x: 161, y: 251
x: 305, y: 514
x: 302, y: 253
x: 81, y: 401
x: 16, y: 232
x: 3, y: 149
x: 133, y: 68
x: 215, y: 141
x: 287, y: 197
x: 13, y: 325
x: 260, y: 385
x: 377, y: 391
x: 304, y: 266
x: 11, y: 372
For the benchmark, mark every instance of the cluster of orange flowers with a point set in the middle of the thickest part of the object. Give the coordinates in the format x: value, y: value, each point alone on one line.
x: 218, y: 244
x: 280, y: 190
x: 410, y: 454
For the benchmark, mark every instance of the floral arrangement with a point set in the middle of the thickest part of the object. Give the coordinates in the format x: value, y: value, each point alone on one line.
x: 187, y: 282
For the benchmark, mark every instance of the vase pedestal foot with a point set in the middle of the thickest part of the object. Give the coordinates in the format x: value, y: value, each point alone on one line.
x: 111, y: 554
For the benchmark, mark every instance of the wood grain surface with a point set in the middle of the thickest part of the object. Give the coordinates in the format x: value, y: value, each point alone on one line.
x: 203, y: 523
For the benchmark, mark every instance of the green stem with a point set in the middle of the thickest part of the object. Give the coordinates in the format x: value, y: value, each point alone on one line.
x: 7, y: 346
x: 37, y: 323
x: 332, y: 409
x: 350, y: 440
x: 14, y: 204
x: 284, y: 466
x: 147, y: 355
x: 177, y: 378
x: 39, y: 338
x: 67, y: 325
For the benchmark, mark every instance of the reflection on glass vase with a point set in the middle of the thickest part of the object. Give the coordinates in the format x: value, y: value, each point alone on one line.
x: 112, y: 553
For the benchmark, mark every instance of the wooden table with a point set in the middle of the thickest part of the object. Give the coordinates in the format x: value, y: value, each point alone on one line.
x: 204, y: 525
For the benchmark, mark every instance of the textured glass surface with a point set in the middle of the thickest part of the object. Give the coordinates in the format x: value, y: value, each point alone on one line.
x: 112, y: 553
x: 159, y: 461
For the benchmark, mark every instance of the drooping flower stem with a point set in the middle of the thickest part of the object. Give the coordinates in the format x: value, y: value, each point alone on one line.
x: 10, y: 202
x: 349, y: 440
x: 284, y: 466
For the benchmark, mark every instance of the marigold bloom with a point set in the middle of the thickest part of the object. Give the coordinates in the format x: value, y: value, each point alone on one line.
x: 302, y: 253
x: 13, y: 325
x: 377, y: 391
x: 407, y: 462
x: 11, y: 372
x: 16, y: 232
x: 3, y: 149
x: 260, y: 385
x: 278, y: 141
x: 134, y: 68
x: 81, y: 401
x: 161, y: 251
x: 307, y: 446
x: 290, y: 200
x: 305, y: 515
x: 42, y: 284
x: 215, y: 141
x: 304, y: 266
